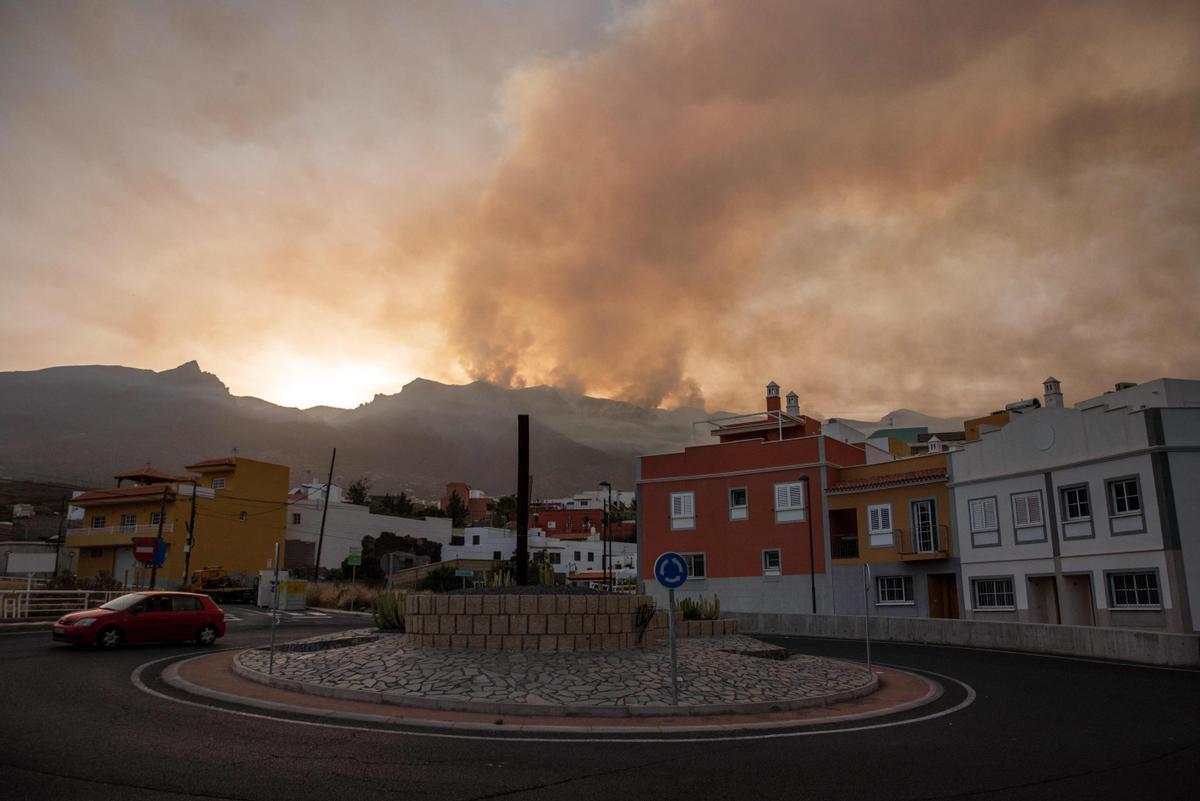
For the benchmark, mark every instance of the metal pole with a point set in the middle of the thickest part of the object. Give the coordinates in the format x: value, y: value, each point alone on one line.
x: 867, y: 608
x: 162, y: 512
x: 522, y: 499
x: 191, y: 535
x: 671, y: 634
x: 353, y: 581
x: 274, y: 611
x: 324, y: 511
x: 812, y: 559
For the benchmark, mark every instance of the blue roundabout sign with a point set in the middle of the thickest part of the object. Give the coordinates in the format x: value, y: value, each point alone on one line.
x: 671, y: 570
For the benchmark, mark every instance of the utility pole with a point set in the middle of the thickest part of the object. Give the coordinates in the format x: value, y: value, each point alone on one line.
x: 162, y: 513
x: 324, y: 512
x: 62, y: 533
x: 605, y: 551
x: 522, y: 499
x: 191, y: 536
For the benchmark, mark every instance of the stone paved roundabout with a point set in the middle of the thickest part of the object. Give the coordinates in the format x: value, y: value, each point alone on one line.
x: 718, y: 675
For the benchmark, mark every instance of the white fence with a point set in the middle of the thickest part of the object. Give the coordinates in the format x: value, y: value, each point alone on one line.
x: 44, y: 604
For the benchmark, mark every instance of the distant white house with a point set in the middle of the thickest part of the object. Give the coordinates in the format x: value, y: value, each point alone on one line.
x: 345, y: 526
x: 567, y: 556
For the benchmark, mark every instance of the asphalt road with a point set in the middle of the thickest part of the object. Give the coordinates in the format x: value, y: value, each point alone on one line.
x: 74, y: 726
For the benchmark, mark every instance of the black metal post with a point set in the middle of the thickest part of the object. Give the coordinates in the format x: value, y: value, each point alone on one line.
x: 812, y: 559
x: 522, y: 499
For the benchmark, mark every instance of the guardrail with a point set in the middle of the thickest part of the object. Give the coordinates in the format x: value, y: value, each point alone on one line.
x: 49, y: 604
x: 142, y: 528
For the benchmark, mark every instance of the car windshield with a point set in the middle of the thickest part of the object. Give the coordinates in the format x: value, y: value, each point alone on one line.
x: 124, y: 602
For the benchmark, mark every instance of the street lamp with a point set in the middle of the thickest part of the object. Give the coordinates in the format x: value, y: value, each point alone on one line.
x: 812, y: 576
x: 605, y: 556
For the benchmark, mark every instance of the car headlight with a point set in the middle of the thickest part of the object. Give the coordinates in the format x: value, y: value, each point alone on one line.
x: 83, y: 622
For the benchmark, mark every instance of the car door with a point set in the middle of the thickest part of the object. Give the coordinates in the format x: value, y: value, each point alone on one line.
x: 142, y: 620
x: 187, y: 615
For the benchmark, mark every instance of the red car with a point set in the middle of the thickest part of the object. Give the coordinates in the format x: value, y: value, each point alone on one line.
x: 144, y: 617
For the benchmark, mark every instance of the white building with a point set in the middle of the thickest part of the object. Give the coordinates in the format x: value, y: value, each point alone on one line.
x: 567, y: 556
x: 592, y: 499
x: 1085, y: 515
x: 345, y: 526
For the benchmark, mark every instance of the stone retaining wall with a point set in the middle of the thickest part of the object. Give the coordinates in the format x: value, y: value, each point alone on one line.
x: 695, y: 628
x: 575, y: 622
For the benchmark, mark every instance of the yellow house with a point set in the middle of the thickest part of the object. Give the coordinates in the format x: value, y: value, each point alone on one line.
x: 896, y: 517
x: 237, y: 509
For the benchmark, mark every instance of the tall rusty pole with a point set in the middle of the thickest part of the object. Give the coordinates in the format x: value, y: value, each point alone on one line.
x: 522, y: 499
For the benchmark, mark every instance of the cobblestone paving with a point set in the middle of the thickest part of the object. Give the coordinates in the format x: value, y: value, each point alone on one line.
x: 711, y: 674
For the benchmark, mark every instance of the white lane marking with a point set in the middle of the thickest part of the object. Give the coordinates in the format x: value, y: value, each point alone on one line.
x: 136, y: 678
x: 1109, y: 662
x: 232, y: 618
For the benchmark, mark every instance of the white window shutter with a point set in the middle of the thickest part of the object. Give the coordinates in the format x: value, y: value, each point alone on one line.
x: 1020, y: 511
x: 676, y: 506
x: 885, y: 518
x: 874, y: 522
x: 989, y: 514
x: 781, y: 496
x: 796, y: 496
x: 689, y: 504
x: 1035, y: 509
x: 977, y: 515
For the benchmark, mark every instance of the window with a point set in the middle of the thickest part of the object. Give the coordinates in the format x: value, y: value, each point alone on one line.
x: 496, y: 556
x: 295, y: 518
x: 994, y: 593
x: 894, y: 590
x: 591, y: 556
x: 739, y: 504
x: 696, y: 565
x: 128, y: 521
x: 185, y: 603
x: 218, y: 483
x: 99, y: 521
x: 1027, y: 509
x: 683, y: 510
x: 772, y: 563
x: 242, y: 516
x: 552, y: 525
x: 474, y: 539
x: 1076, y: 504
x: 1124, y: 497
x: 983, y: 514
x: 556, y: 558
x: 578, y: 556
x: 155, y: 517
x: 1134, y: 589
x: 789, y: 502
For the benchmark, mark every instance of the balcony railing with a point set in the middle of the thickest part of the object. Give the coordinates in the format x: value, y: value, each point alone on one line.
x: 145, y: 529
x: 845, y: 546
x: 928, y: 542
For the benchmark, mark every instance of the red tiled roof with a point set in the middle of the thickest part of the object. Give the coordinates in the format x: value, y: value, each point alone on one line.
x: 121, y: 493
x: 895, y: 479
x: 149, y: 472
x: 297, y: 496
x: 573, y: 536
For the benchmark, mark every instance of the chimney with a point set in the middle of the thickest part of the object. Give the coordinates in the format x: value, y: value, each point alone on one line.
x: 1054, y: 396
x: 793, y: 404
x: 772, y: 397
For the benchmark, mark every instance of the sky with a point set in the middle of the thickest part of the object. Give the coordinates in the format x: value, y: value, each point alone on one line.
x: 932, y: 205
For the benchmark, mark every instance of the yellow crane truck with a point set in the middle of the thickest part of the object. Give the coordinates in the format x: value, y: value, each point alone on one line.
x: 216, y: 583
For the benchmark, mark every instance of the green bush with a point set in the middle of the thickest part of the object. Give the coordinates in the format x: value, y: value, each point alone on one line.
x: 440, y: 579
x: 389, y: 610
x: 701, y: 609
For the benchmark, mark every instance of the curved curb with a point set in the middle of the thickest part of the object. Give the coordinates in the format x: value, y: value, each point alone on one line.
x: 933, y: 692
x: 552, y: 710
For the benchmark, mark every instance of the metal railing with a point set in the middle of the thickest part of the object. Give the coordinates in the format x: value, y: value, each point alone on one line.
x: 150, y: 529
x: 845, y: 546
x: 49, y: 604
x: 931, y: 541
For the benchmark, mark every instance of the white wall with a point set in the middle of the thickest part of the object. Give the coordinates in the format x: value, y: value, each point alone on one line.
x: 504, y: 541
x: 346, y: 524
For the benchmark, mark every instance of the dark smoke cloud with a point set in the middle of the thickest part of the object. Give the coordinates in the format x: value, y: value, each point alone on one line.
x: 880, y: 204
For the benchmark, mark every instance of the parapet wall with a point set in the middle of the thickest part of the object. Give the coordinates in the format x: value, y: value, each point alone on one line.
x: 1127, y: 645
x: 574, y: 622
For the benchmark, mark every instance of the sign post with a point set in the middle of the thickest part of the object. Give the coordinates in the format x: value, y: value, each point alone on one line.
x: 671, y: 571
x: 354, y: 560
x: 274, y: 610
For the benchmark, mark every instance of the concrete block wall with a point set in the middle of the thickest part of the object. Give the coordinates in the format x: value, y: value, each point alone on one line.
x: 527, y: 622
x: 1126, y: 645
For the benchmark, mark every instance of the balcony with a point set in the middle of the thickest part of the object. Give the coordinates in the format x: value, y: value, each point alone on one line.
x: 927, y: 542
x: 845, y: 546
x: 144, y: 530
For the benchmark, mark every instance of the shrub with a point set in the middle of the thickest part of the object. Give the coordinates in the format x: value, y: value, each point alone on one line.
x: 389, y: 610
x: 440, y: 579
x: 701, y: 609
x: 339, y: 595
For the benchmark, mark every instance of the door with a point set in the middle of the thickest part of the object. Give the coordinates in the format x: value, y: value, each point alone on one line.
x: 125, y: 567
x: 1077, y: 606
x: 924, y: 526
x: 1043, y: 600
x: 187, y: 616
x: 149, y: 620
x: 943, y: 596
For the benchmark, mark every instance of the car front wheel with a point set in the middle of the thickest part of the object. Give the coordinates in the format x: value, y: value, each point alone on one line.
x: 207, y: 635
x: 109, y: 639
